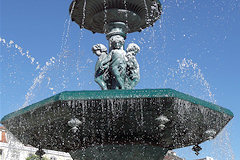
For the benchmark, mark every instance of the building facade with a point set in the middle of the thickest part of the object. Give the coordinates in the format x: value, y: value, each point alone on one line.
x: 12, y: 149
x: 171, y: 155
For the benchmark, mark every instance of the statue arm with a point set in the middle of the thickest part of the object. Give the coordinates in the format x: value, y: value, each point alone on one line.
x: 105, y: 62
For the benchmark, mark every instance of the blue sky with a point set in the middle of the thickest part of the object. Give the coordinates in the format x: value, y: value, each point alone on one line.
x: 194, y: 48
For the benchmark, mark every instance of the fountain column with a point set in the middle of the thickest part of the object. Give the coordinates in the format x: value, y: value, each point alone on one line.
x: 115, y: 28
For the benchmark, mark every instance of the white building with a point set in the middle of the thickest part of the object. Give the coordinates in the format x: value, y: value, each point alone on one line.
x: 12, y: 149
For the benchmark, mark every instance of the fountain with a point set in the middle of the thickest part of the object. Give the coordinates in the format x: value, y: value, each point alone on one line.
x: 117, y: 122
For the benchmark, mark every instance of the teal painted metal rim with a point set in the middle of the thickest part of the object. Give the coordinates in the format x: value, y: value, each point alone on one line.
x: 118, y: 94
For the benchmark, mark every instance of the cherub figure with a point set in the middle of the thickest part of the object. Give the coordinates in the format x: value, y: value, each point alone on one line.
x: 102, y: 65
x: 118, y: 62
x: 132, y: 74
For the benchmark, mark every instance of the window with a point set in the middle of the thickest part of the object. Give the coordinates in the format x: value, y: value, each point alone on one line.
x: 15, y: 155
x: 1, y: 153
x: 5, y: 137
x: 53, y: 158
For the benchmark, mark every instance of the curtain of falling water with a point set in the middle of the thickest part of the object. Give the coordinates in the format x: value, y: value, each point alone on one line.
x: 105, y: 13
x: 68, y: 26
x: 146, y: 8
x: 223, y: 143
x: 125, y: 7
x: 84, y: 13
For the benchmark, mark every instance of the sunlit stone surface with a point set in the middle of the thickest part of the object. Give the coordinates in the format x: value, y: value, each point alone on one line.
x: 107, y: 119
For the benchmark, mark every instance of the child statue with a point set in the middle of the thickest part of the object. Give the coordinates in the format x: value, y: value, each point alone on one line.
x: 118, y: 62
x: 132, y: 73
x: 102, y: 66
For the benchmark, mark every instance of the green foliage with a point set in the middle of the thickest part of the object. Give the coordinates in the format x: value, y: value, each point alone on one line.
x: 35, y: 157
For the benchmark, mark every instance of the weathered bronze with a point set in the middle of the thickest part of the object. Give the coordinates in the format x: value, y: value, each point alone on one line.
x: 118, y: 69
x: 118, y: 122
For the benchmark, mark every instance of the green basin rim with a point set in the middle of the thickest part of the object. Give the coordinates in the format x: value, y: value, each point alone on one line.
x: 117, y: 94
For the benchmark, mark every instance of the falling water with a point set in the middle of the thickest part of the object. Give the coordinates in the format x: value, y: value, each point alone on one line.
x: 147, y: 14
x: 224, y: 145
x: 197, y: 73
x: 68, y: 26
x: 184, y: 77
x: 84, y: 13
x: 125, y: 7
x: 43, y: 70
x: 29, y: 96
x: 141, y: 112
x: 26, y: 54
x: 13, y: 147
x: 63, y: 35
x: 188, y: 70
x: 162, y: 26
x: 105, y: 14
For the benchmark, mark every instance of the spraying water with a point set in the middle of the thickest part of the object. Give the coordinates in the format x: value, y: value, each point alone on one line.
x: 20, y: 50
x: 38, y: 80
x: 185, y: 73
x: 30, y: 95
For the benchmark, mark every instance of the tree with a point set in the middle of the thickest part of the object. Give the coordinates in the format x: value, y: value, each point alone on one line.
x: 35, y: 157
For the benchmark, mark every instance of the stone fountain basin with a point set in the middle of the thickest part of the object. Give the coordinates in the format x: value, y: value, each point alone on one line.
x: 117, y: 117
